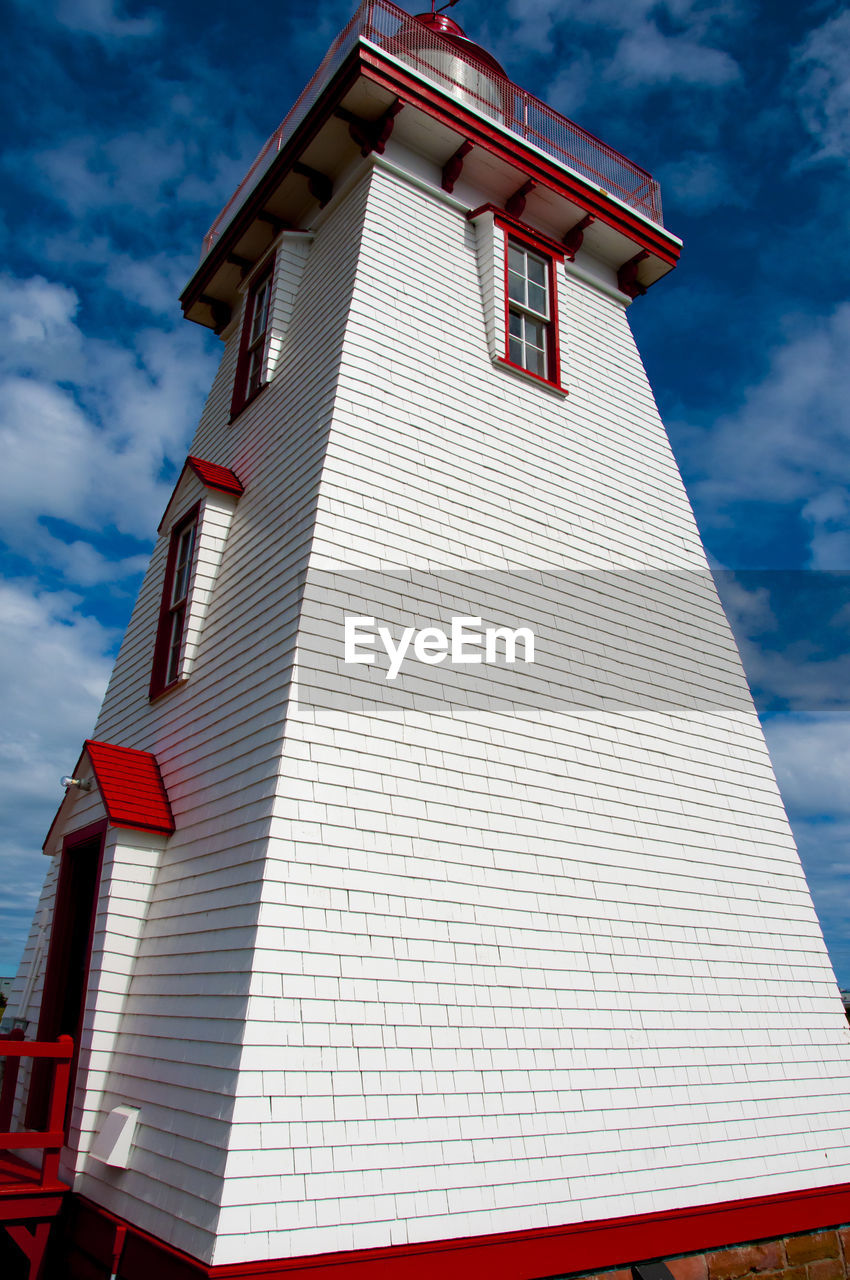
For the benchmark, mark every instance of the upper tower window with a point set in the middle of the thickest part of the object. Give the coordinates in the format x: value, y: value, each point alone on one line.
x: 257, y: 338
x: 170, y: 638
x: 518, y: 271
x: 179, y: 596
x: 196, y: 540
x: 530, y: 291
x: 251, y: 375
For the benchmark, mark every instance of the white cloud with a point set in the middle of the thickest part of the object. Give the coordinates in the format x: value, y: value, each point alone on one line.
x: 789, y: 442
x: 825, y: 849
x: 701, y: 182
x: 59, y: 661
x: 807, y: 672
x: 87, y: 425
x: 828, y: 517
x: 61, y: 664
x: 38, y: 332
x: 180, y: 154
x: 134, y: 169
x: 647, y: 56
x: 811, y: 757
x: 84, y: 565
x: 103, y: 18
x: 154, y: 282
x: 571, y: 86
x: 748, y: 609
x: 821, y: 85
x: 655, y: 44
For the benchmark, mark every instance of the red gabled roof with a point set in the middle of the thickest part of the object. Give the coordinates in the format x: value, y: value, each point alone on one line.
x: 131, y: 787
x: 214, y: 476
x: 210, y: 474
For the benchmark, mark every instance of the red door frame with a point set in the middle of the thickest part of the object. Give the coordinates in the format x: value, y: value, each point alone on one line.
x: 59, y: 963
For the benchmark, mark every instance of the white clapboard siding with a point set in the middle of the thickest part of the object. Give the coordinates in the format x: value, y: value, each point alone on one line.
x: 217, y: 739
x: 514, y: 972
x: 421, y: 968
x: 290, y: 257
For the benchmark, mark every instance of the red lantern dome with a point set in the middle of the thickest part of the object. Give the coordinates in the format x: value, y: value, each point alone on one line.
x: 449, y: 30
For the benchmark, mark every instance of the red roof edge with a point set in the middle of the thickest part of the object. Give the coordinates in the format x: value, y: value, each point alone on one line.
x: 214, y: 476
x: 131, y: 787
x: 209, y: 474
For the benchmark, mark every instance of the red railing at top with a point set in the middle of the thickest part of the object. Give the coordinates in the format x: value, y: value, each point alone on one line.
x: 50, y: 1140
x: 429, y: 54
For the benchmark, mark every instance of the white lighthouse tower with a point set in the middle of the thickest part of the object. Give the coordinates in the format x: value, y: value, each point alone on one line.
x: 423, y: 902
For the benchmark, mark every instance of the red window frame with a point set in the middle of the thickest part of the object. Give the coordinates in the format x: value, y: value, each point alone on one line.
x: 171, y: 628
x: 253, y: 344
x: 541, y: 247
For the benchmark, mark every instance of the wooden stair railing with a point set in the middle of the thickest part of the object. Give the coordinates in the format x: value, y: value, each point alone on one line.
x: 30, y: 1198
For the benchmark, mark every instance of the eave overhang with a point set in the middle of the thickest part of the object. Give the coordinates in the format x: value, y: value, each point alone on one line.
x: 368, y: 85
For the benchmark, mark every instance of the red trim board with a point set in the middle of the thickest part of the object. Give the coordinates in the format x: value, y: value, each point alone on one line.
x: 406, y: 87
x: 644, y: 233
x: 513, y: 1255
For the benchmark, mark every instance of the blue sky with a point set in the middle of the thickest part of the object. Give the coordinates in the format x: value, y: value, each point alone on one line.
x: 128, y: 126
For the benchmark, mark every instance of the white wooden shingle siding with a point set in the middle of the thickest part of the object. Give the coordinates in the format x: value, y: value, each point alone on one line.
x: 410, y: 968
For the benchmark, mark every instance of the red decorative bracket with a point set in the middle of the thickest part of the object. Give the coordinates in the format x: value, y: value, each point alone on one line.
x: 244, y: 264
x: 574, y: 237
x: 220, y: 311
x: 515, y: 204
x: 627, y: 281
x: 370, y: 135
x: 277, y: 224
x: 320, y: 184
x: 453, y: 167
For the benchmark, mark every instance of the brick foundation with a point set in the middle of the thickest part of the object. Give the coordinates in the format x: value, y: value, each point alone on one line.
x: 812, y: 1255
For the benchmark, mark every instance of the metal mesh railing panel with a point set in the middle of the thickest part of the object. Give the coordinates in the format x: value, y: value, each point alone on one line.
x: 476, y: 85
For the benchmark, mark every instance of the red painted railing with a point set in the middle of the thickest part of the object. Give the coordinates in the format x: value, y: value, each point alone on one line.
x: 50, y: 1140
x: 429, y: 54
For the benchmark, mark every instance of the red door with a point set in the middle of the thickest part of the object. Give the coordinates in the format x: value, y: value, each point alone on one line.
x: 68, y: 956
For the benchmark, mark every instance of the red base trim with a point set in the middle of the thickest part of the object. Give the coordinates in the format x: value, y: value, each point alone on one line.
x: 513, y: 1255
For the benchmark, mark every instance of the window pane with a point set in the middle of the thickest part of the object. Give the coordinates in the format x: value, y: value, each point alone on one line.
x: 537, y: 299
x: 261, y: 306
x: 516, y: 287
x: 535, y: 361
x: 183, y: 565
x: 255, y: 369
x: 529, y: 309
x: 535, y: 332
x: 536, y: 270
x: 175, y: 644
x: 516, y: 259
x: 535, y: 348
x: 528, y: 280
